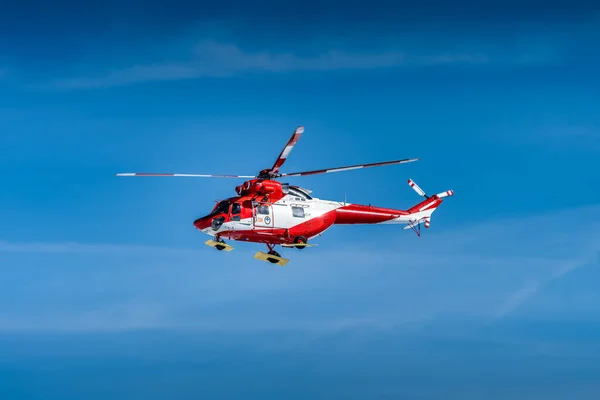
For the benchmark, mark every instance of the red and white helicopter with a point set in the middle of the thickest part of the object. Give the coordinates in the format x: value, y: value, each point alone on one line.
x: 267, y: 211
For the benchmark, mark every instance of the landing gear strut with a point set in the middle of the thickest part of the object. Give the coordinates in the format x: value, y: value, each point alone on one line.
x: 273, y: 253
x: 220, y: 246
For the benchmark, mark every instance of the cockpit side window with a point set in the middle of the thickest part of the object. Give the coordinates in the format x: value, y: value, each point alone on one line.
x: 235, y: 211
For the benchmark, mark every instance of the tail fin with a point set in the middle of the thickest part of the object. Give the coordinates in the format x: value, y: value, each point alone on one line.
x: 421, y: 213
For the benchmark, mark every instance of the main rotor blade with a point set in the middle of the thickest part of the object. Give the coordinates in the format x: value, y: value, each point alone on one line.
x: 185, y: 175
x: 287, y: 149
x: 351, y: 167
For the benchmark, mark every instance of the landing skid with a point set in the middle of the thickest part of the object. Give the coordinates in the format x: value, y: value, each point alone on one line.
x: 272, y: 258
x: 220, y: 245
x: 298, y: 245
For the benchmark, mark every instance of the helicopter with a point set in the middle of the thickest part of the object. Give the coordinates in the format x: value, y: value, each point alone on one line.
x: 269, y: 212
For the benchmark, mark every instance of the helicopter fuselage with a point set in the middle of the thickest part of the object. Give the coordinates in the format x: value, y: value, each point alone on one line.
x: 267, y: 211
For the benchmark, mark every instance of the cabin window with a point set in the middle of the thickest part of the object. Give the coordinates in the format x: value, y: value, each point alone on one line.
x: 264, y: 210
x: 298, y: 212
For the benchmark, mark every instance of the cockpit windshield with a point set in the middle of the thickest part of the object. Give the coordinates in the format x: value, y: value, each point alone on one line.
x: 222, y: 207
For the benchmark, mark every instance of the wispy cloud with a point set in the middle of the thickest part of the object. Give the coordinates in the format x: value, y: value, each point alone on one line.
x: 225, y: 54
x: 137, y: 316
x: 532, y: 288
x: 452, y: 275
x: 517, y: 298
x: 189, y: 58
x: 572, y: 132
x: 217, y: 59
x: 584, y: 135
x: 572, y: 136
x: 75, y: 247
x: 214, y: 59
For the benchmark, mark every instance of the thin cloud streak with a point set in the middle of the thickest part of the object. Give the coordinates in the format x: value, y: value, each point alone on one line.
x: 75, y: 247
x: 123, y: 318
x: 219, y: 60
x: 449, y: 276
x: 210, y: 58
x: 574, y: 136
x: 533, y: 288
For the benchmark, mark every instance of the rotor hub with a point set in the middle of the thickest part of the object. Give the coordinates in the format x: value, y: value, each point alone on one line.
x: 268, y: 174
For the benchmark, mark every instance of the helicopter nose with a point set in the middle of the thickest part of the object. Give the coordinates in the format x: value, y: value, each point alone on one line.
x: 202, y: 223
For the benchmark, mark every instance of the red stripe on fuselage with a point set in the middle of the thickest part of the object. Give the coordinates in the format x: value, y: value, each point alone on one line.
x: 359, y: 214
x: 432, y: 202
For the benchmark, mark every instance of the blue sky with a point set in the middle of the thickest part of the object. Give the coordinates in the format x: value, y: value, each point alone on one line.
x: 108, y: 290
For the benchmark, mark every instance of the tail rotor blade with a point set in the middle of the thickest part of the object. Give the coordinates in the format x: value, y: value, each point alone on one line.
x: 416, y: 187
x: 447, y: 193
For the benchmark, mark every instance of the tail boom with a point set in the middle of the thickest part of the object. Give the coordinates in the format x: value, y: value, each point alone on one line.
x: 412, y: 218
x: 361, y: 214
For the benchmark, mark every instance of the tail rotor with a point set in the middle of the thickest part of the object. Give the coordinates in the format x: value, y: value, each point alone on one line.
x: 421, y: 192
x: 421, y: 213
